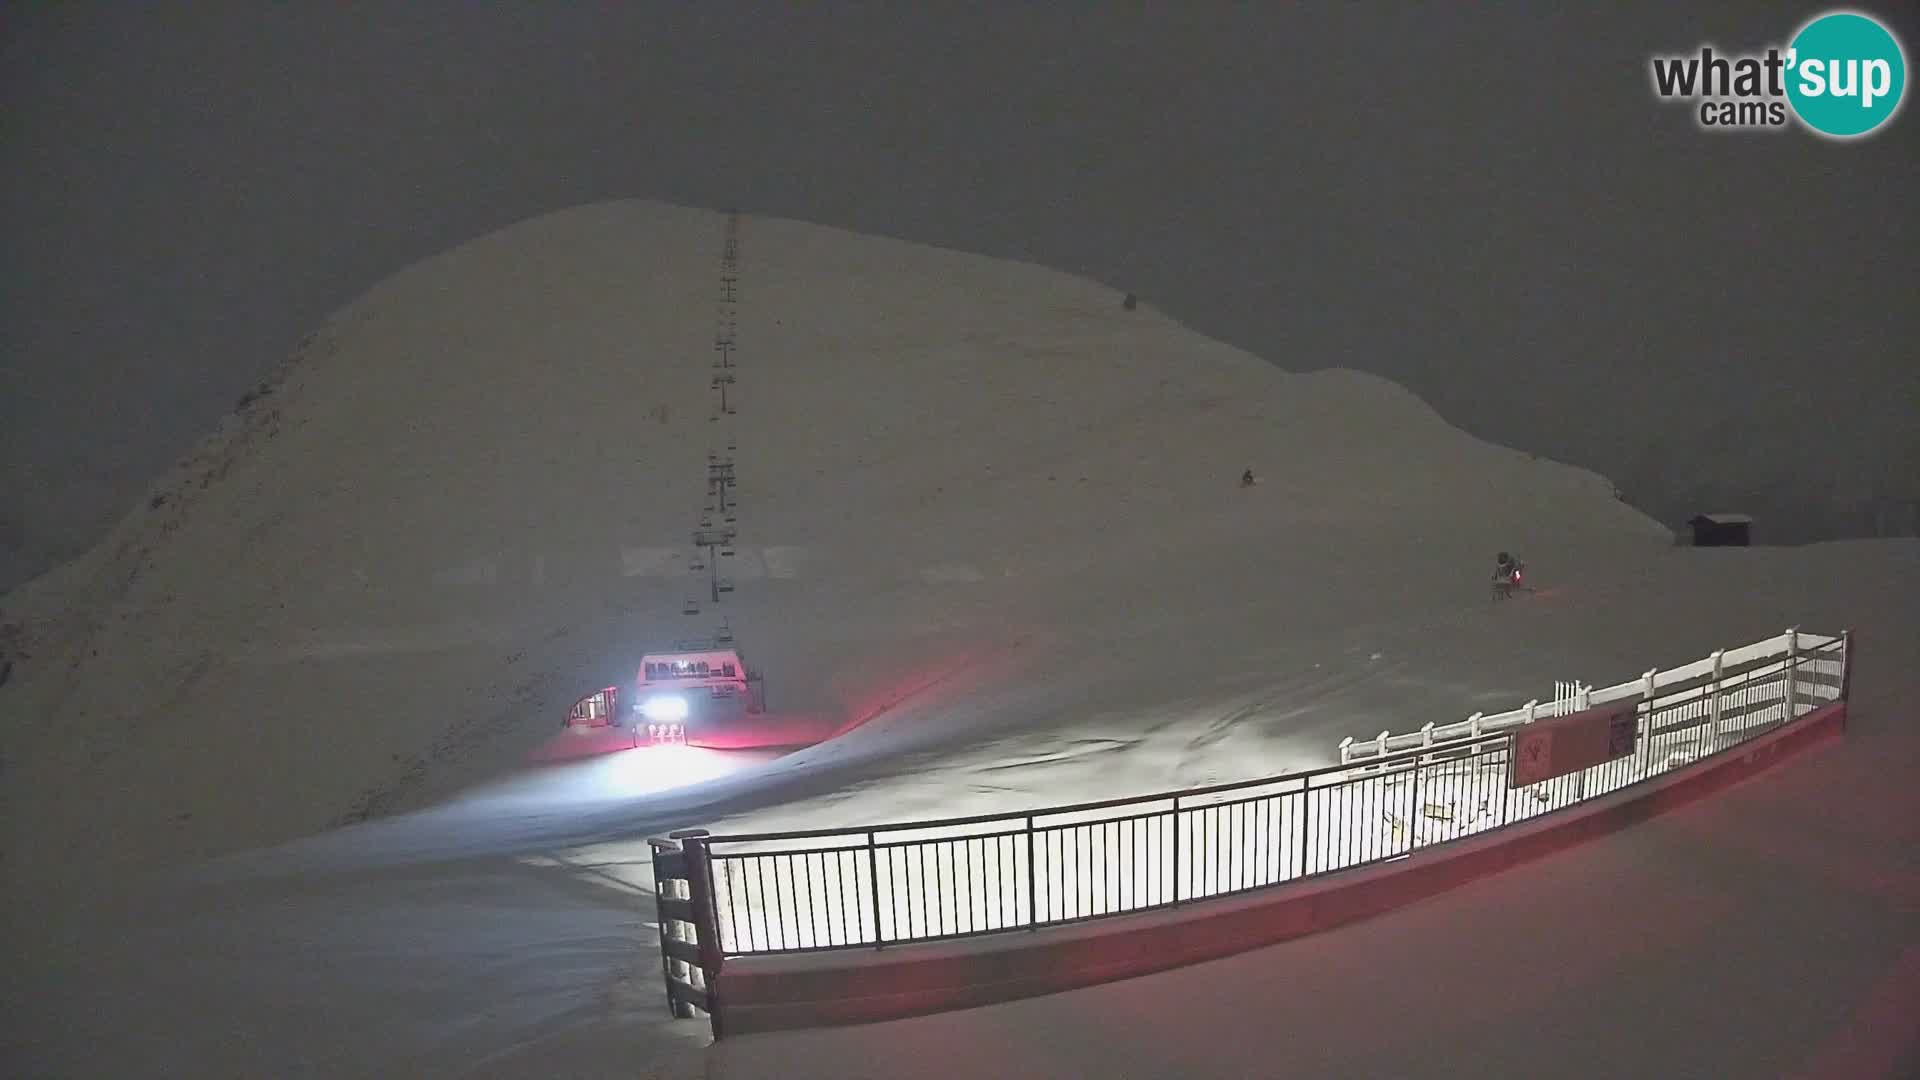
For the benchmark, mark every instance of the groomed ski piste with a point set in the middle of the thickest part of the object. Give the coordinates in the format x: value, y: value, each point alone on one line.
x: 285, y: 792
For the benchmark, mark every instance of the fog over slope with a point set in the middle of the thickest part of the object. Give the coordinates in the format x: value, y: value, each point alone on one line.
x: 1485, y: 206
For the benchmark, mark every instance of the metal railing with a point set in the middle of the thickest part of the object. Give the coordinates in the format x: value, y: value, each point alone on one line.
x: 1574, y: 695
x: 888, y: 885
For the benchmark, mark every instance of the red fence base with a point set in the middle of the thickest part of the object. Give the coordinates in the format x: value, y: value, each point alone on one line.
x: 766, y: 993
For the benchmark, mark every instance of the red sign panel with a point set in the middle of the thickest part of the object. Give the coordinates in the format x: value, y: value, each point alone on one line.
x: 1567, y: 744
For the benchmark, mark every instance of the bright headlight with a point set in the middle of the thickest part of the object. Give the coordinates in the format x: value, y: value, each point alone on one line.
x: 666, y: 708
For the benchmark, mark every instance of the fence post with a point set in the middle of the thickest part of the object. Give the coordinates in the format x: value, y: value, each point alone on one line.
x: 1787, y: 703
x: 1531, y: 707
x: 873, y: 878
x: 1646, y: 692
x: 1417, y: 811
x: 1713, y: 707
x: 1426, y: 734
x: 1033, y: 875
x: 668, y: 863
x: 1346, y: 750
x: 1846, y: 663
x: 1300, y: 826
x: 1176, y: 850
x: 705, y: 921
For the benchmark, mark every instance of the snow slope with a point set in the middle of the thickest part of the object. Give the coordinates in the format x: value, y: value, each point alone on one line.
x: 983, y: 509
x: 1770, y: 930
x: 946, y: 453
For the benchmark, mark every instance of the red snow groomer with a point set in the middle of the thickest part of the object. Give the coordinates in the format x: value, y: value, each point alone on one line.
x: 678, y: 696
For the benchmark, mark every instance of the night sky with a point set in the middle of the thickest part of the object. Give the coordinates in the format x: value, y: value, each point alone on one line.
x: 1488, y: 206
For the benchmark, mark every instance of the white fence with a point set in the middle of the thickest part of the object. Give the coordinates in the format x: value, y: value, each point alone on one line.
x: 1572, y: 696
x: 918, y: 881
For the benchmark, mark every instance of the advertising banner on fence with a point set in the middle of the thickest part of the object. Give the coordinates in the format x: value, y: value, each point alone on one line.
x: 1567, y: 744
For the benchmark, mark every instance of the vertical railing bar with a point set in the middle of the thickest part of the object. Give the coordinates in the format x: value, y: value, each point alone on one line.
x: 805, y: 881
x: 941, y: 892
x: 1053, y: 846
x: 1233, y: 853
x: 973, y: 908
x: 1197, y: 840
x: 897, y: 893
x: 1069, y: 872
x: 1088, y: 882
x: 755, y: 884
x: 960, y: 867
x: 848, y: 906
x: 953, y: 881
x: 999, y: 861
x: 776, y: 927
x: 1033, y: 910
x: 829, y: 874
x: 913, y: 889
x: 764, y: 932
x: 804, y: 919
x: 830, y: 904
x: 1095, y: 877
x: 970, y: 890
x: 1210, y: 852
x: 1060, y: 904
x: 1223, y: 872
x: 1376, y: 796
x: 789, y: 919
x: 1134, y: 865
x: 1216, y: 849
x: 1300, y: 828
x: 1230, y: 828
x: 1176, y: 851
x: 1361, y: 841
x: 1359, y: 801
x: 1261, y: 862
x: 926, y: 855
x: 1114, y: 852
x: 732, y: 915
x: 932, y: 898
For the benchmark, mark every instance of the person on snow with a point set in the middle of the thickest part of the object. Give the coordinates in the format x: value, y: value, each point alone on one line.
x: 1506, y: 573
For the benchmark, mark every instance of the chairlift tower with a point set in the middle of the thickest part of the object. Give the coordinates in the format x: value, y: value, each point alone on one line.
x: 719, y: 479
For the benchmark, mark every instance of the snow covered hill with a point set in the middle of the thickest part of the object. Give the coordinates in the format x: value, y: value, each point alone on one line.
x: 990, y: 521
x: 390, y: 572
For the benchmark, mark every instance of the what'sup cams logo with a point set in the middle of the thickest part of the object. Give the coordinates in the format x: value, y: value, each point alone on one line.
x: 1843, y: 76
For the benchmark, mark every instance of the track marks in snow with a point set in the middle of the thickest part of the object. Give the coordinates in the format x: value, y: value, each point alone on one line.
x: 1076, y: 750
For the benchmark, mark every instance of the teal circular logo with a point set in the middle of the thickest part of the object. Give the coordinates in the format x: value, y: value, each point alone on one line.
x: 1846, y: 75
